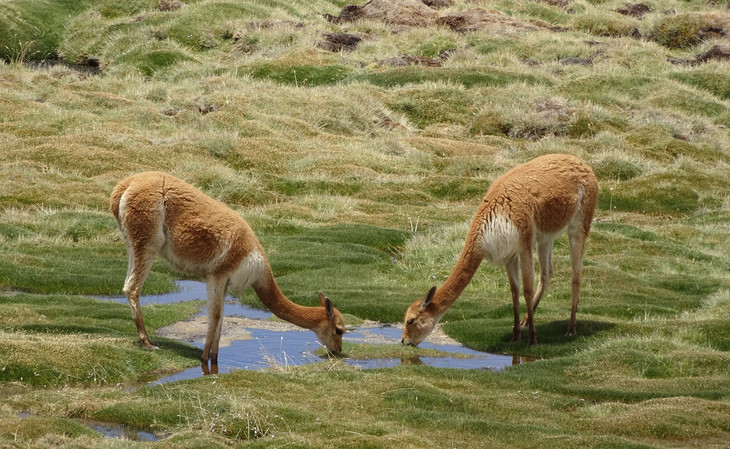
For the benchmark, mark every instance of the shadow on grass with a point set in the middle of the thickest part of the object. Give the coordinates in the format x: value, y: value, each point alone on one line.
x: 553, y: 334
x: 495, y: 336
x: 180, y: 348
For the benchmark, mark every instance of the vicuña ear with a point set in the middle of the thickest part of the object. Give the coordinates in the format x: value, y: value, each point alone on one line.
x: 429, y: 297
x: 327, y: 304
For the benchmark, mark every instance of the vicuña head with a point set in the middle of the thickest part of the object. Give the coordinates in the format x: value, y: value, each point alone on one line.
x: 160, y: 214
x: 420, y: 321
x: 532, y: 204
x: 329, y: 331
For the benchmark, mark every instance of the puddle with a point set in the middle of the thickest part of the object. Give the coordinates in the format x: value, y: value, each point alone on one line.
x: 192, y: 290
x: 110, y: 430
x: 250, y: 341
x: 120, y: 431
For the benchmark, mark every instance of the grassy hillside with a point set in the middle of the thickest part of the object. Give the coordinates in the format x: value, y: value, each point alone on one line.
x: 358, y: 139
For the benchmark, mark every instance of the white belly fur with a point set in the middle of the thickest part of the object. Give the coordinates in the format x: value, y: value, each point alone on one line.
x: 500, y: 240
x: 251, y: 268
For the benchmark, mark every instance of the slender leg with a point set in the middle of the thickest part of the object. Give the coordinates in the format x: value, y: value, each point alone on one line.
x: 142, y: 253
x: 513, y: 273
x: 545, y: 256
x: 578, y: 231
x: 216, y: 288
x: 527, y: 266
x: 208, y: 370
x: 577, y: 239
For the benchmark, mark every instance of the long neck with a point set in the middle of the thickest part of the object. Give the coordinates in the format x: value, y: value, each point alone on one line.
x: 273, y: 298
x: 457, y: 281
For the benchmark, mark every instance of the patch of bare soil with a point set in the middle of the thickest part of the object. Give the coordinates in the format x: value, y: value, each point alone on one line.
x: 416, y: 14
x: 349, y: 13
x: 717, y: 52
x: 480, y: 18
x: 438, y: 4
x: 399, y: 12
x: 634, y: 10
x: 394, y: 12
x: 170, y: 5
x: 335, y: 42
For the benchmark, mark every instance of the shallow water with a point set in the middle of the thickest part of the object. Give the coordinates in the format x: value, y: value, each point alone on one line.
x: 112, y: 430
x: 120, y: 431
x: 270, y: 348
x: 192, y: 290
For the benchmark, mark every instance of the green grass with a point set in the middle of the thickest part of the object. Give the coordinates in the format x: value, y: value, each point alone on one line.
x: 360, y: 179
x: 33, y: 29
x: 54, y: 340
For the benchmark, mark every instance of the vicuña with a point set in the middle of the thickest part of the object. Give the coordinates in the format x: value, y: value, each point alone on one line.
x: 160, y: 214
x: 529, y: 205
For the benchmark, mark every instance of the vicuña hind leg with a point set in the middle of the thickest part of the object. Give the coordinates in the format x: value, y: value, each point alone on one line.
x: 142, y: 248
x: 577, y: 247
x: 545, y: 257
x: 140, y: 264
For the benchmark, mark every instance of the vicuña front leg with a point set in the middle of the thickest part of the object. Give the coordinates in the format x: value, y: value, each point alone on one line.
x: 513, y: 274
x: 216, y: 289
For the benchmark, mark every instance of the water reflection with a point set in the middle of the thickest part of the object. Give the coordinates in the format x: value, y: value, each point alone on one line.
x: 120, y: 431
x: 266, y: 349
x: 112, y: 430
x: 269, y: 348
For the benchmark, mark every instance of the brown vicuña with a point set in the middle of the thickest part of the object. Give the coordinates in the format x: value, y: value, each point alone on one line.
x: 160, y: 214
x: 530, y: 204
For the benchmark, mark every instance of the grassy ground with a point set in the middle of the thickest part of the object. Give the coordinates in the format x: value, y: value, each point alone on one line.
x: 359, y: 170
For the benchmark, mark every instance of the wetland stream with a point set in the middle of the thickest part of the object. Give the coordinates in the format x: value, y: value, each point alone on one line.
x: 250, y: 340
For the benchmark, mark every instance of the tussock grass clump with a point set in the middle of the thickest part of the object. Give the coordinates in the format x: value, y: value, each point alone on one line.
x: 31, y: 30
x: 599, y: 23
x: 616, y: 169
x: 149, y: 59
x: 689, y: 29
x: 535, y: 113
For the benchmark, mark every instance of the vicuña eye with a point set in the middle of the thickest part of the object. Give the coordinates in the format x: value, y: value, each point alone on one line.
x: 339, y: 331
x: 411, y: 321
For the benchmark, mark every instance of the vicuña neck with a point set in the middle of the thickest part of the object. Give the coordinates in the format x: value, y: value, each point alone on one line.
x: 457, y: 281
x: 269, y: 293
